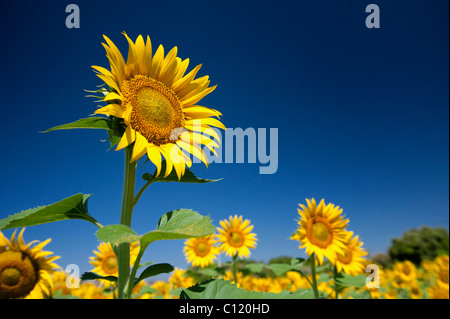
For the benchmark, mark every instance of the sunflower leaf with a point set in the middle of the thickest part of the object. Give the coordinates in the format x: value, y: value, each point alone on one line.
x: 344, y: 280
x: 90, y: 123
x: 188, y: 177
x: 93, y: 276
x: 221, y: 289
x: 179, y: 224
x: 73, y: 207
x: 154, y: 270
x: 117, y: 234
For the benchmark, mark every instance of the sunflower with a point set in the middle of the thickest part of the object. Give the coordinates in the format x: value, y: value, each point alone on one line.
x: 235, y: 237
x: 351, y: 262
x: 25, y: 270
x: 321, y: 230
x: 201, y: 251
x: 157, y: 103
x: 179, y: 279
x: 105, y: 260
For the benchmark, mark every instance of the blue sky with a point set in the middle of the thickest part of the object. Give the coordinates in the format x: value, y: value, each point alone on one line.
x: 362, y: 115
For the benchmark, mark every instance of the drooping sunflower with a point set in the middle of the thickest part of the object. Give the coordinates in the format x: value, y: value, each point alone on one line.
x: 322, y: 230
x: 105, y: 260
x: 235, y: 237
x: 201, y: 251
x: 157, y: 103
x: 351, y: 262
x: 25, y: 270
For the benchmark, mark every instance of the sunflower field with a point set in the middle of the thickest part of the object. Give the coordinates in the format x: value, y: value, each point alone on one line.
x: 150, y: 111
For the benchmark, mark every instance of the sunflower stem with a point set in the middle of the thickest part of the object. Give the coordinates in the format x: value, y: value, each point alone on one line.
x: 313, y: 274
x: 235, y: 268
x: 125, y: 219
x: 335, y: 283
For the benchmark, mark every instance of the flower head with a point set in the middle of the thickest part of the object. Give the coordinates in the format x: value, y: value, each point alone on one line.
x: 157, y: 104
x: 25, y: 270
x: 351, y: 261
x: 322, y: 230
x: 201, y: 251
x: 235, y: 237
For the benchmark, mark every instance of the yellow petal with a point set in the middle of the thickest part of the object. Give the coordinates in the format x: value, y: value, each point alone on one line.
x: 140, y: 147
x: 157, y: 63
x: 181, y: 83
x: 194, y: 99
x: 111, y: 109
x: 154, y: 155
x: 127, y: 138
x: 207, y: 121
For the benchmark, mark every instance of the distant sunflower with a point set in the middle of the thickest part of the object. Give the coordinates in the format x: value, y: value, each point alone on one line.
x: 235, y: 237
x: 158, y: 102
x: 201, y: 251
x: 322, y: 230
x: 105, y: 260
x: 25, y: 270
x: 351, y: 262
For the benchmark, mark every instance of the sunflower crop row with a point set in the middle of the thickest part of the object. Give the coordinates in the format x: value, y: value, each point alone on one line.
x: 28, y: 271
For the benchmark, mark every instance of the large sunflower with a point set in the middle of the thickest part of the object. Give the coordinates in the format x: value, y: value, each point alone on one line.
x: 235, y: 236
x: 322, y: 230
x: 25, y: 270
x: 351, y: 262
x: 201, y: 251
x: 158, y: 105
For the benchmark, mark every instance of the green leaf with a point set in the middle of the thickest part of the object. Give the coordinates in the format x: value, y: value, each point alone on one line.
x: 154, y: 270
x: 344, y: 280
x: 93, y: 276
x: 221, y: 289
x: 73, y: 207
x: 179, y: 224
x: 90, y: 122
x: 280, y: 269
x: 117, y: 234
x: 188, y: 177
x: 255, y: 267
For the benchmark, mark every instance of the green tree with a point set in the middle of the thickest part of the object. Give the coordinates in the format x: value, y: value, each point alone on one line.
x: 417, y: 245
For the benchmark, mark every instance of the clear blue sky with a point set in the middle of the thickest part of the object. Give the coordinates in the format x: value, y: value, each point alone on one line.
x: 362, y: 115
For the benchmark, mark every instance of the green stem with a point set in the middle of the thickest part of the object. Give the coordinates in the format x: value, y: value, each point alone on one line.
x: 235, y: 268
x: 335, y: 283
x: 313, y: 274
x: 136, y: 199
x: 130, y: 284
x: 125, y: 219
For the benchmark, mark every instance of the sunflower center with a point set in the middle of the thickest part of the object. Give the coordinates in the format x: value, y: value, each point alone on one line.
x: 18, y: 276
x: 110, y: 265
x: 202, y: 249
x: 10, y: 276
x: 156, y: 110
x: 346, y: 258
x: 236, y: 239
x: 320, y: 233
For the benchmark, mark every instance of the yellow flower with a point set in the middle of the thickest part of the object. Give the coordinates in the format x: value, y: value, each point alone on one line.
x: 438, y: 292
x: 351, y: 262
x: 88, y: 290
x: 105, y: 260
x: 415, y: 292
x: 25, y: 270
x: 158, y: 102
x: 321, y: 230
x: 406, y: 270
x: 201, y: 251
x: 235, y: 237
x: 179, y: 279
